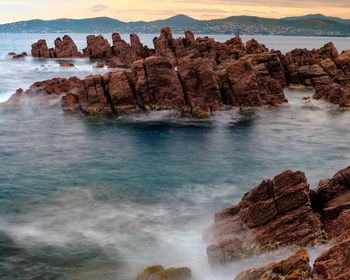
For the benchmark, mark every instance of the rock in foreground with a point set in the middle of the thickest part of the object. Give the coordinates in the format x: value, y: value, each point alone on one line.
x: 296, y: 267
x: 159, y: 273
x: 276, y: 213
x: 334, y: 263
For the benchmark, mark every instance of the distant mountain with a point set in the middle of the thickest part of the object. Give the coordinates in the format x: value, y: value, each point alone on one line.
x: 319, y: 16
x: 310, y: 25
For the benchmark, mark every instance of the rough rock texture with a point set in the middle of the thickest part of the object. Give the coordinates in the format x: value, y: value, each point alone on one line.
x: 40, y: 49
x: 65, y: 48
x: 159, y: 273
x: 332, y: 199
x: 157, y: 84
x: 277, y: 212
x: 242, y: 85
x: 201, y: 75
x: 295, y: 267
x: 199, y: 82
x: 119, y: 87
x: 97, y: 48
x: 334, y: 263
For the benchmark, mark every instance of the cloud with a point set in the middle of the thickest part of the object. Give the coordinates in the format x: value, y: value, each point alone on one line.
x: 99, y: 8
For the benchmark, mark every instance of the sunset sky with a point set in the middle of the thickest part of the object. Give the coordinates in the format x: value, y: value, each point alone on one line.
x: 133, y: 10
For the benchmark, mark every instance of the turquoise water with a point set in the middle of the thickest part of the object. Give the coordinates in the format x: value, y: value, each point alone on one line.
x: 92, y: 198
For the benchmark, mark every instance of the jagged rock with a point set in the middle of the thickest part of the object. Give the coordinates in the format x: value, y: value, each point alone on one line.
x: 65, y: 48
x: 253, y: 47
x: 97, y: 48
x: 199, y: 83
x: 332, y: 199
x: 40, y: 49
x: 95, y: 99
x: 159, y: 273
x: 164, y: 44
x: 241, y: 85
x: 119, y: 87
x: 334, y: 263
x: 296, y: 267
x: 157, y: 84
x: 278, y: 212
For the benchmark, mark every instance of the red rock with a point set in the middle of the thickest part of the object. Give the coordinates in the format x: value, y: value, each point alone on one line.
x: 94, y: 99
x: 70, y: 103
x: 199, y: 83
x: 332, y: 198
x: 253, y: 47
x: 118, y: 86
x: 157, y: 84
x: 121, y: 52
x: 40, y: 49
x: 97, y: 48
x: 16, y: 56
x: 158, y: 272
x: 334, y: 263
x: 241, y: 85
x: 164, y: 44
x: 65, y: 48
x: 276, y: 213
x: 295, y: 267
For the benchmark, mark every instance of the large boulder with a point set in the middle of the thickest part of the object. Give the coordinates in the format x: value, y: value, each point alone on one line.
x: 40, y: 49
x: 334, y: 263
x: 66, y: 48
x: 276, y: 213
x: 97, y: 48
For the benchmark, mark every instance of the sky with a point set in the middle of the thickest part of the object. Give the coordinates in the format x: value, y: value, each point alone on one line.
x: 134, y: 10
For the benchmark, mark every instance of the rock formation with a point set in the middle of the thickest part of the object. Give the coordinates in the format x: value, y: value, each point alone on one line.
x: 296, y: 267
x: 285, y: 212
x: 40, y: 49
x: 334, y: 263
x: 65, y: 48
x: 201, y: 74
x: 276, y: 213
x: 158, y: 272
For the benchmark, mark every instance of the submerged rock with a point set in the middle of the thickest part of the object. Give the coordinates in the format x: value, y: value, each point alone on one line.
x: 159, y: 273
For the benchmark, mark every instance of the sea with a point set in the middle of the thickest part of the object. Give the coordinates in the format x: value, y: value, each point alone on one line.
x: 102, y: 198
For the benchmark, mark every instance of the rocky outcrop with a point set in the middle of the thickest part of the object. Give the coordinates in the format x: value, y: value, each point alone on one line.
x: 124, y: 55
x: 40, y: 49
x: 97, y: 48
x: 157, y: 84
x: 334, y: 263
x: 158, y: 272
x: 205, y: 75
x: 276, y: 213
x: 65, y: 48
x: 284, y: 212
x: 332, y: 199
x: 296, y: 267
x: 199, y: 82
x: 242, y: 85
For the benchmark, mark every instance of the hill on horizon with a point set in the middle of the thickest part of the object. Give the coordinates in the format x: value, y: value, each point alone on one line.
x: 309, y: 25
